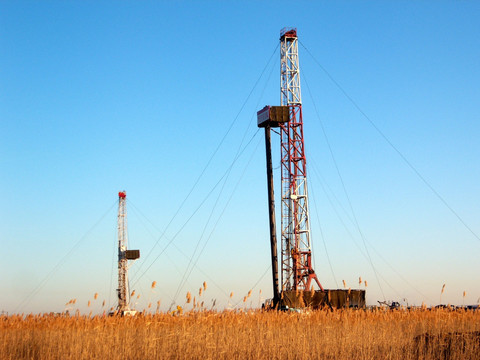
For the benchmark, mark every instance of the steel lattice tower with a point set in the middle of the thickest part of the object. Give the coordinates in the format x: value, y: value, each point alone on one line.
x: 123, y: 256
x: 296, y: 265
x: 122, y: 291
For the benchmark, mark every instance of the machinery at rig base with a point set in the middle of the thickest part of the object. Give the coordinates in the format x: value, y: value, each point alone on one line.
x: 328, y: 298
x: 297, y: 274
x: 124, y: 255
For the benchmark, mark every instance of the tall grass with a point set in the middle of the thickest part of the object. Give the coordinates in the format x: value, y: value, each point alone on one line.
x: 339, y: 334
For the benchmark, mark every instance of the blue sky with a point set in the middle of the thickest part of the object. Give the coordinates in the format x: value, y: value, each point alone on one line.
x: 98, y: 97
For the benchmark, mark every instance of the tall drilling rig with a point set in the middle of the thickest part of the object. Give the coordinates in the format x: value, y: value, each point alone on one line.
x: 296, y: 261
x: 297, y: 273
x: 124, y: 255
x: 297, y: 270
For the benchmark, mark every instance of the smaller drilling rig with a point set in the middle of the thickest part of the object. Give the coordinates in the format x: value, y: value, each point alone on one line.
x: 124, y: 255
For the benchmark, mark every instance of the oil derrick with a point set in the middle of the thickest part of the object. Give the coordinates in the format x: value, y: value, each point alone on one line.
x: 297, y: 270
x: 124, y: 255
x: 297, y: 274
x: 296, y: 255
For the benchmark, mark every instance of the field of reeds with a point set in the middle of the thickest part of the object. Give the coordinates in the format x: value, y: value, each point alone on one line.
x: 326, y: 334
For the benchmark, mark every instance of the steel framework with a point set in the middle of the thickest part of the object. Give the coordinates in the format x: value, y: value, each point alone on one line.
x: 297, y: 270
x: 124, y: 255
x: 122, y: 290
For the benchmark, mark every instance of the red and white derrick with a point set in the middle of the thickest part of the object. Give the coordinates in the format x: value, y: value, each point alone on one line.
x: 296, y: 264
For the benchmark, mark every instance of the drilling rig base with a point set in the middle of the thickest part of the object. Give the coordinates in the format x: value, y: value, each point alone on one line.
x: 329, y: 298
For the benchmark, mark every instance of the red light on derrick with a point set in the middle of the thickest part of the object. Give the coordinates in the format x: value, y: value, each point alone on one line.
x: 122, y: 194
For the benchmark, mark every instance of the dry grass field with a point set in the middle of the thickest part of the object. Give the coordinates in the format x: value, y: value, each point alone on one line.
x: 340, y: 334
